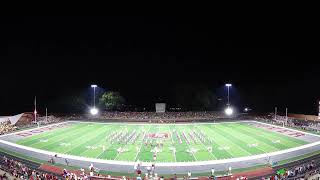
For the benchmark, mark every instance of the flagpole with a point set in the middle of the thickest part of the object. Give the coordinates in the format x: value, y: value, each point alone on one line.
x: 35, y: 109
x: 286, y: 116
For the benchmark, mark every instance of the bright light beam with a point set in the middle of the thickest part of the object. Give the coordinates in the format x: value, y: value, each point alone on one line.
x: 228, y: 111
x: 94, y: 111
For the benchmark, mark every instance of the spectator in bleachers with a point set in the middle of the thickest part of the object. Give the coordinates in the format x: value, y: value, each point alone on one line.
x: 6, y: 127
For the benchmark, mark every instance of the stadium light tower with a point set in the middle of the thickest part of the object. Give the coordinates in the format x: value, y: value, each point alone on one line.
x: 228, y: 86
x: 94, y: 94
x: 94, y: 110
x: 228, y: 111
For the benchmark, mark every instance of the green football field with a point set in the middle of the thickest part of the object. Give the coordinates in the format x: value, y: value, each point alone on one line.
x: 166, y: 142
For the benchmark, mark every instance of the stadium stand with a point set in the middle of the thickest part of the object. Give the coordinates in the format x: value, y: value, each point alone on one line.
x: 20, y: 119
x: 303, y: 169
x: 6, y: 128
x: 12, y: 166
x: 167, y: 117
x: 22, y: 169
x: 301, y: 124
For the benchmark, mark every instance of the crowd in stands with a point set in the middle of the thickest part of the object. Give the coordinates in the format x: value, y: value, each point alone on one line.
x: 153, y: 116
x: 305, y: 125
x: 21, y: 171
x: 18, y: 170
x: 273, y: 119
x: 6, y: 127
x: 49, y: 119
x: 166, y: 115
x: 308, y: 125
x: 302, y: 171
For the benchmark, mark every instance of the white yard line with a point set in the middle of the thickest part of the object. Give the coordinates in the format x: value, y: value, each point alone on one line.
x: 82, y: 144
x: 121, y: 147
x: 258, y: 141
x: 173, y: 152
x: 49, y: 133
x: 231, y: 142
x: 206, y: 148
x: 36, y: 128
x: 106, y: 147
x: 223, y: 161
x: 57, y: 140
x: 269, y: 138
x: 135, y: 159
x: 185, y: 137
x: 50, y: 141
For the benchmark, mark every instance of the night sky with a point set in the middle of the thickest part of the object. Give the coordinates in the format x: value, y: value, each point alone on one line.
x: 145, y: 58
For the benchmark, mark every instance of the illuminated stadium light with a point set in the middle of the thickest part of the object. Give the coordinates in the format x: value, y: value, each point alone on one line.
x: 94, y: 111
x: 228, y: 111
x: 228, y: 85
x: 94, y: 86
x: 246, y: 109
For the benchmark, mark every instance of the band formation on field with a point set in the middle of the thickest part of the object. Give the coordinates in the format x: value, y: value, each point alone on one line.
x: 160, y: 143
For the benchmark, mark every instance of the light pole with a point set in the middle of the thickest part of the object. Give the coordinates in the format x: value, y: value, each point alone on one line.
x: 93, y: 110
x: 228, y: 111
x: 35, y: 109
x: 286, y: 116
x: 228, y: 86
x: 94, y: 95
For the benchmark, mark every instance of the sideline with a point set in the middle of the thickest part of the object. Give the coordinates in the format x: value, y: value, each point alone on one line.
x: 163, y: 164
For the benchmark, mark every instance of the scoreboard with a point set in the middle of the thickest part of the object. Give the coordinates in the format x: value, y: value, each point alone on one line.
x: 160, y: 107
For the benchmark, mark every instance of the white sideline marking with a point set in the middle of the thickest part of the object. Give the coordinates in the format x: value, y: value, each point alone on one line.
x: 197, y: 163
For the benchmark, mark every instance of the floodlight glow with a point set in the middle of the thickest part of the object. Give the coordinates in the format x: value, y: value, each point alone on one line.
x: 94, y: 86
x: 94, y: 111
x: 228, y: 111
x: 246, y: 109
x: 228, y: 85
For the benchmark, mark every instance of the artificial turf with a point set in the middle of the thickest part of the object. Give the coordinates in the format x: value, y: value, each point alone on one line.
x: 199, y: 142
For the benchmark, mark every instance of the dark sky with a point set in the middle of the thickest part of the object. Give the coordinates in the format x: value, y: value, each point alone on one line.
x: 145, y: 57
